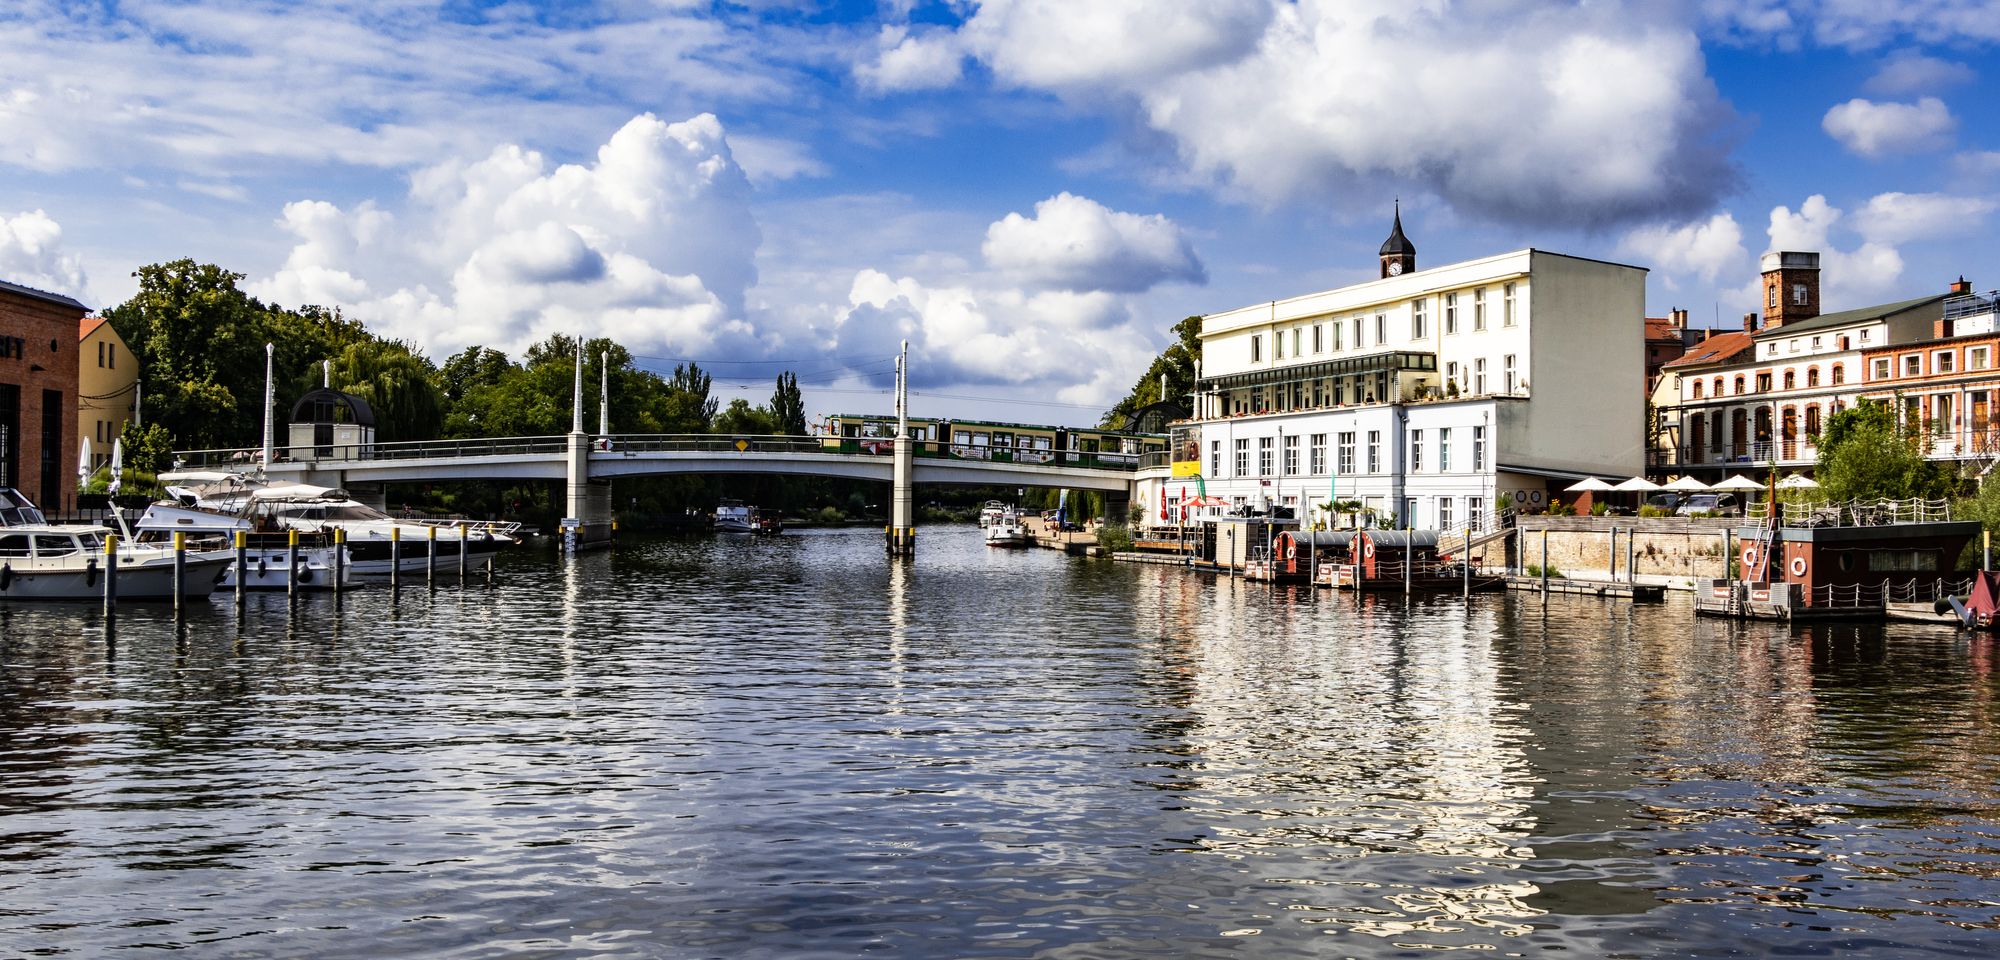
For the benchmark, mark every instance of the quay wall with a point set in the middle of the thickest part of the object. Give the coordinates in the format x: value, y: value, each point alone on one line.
x: 1669, y: 547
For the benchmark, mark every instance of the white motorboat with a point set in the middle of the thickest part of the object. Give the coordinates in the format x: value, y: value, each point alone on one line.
x: 45, y: 561
x: 267, y: 554
x: 376, y: 541
x: 1008, y: 530
x: 732, y: 516
x: 990, y: 511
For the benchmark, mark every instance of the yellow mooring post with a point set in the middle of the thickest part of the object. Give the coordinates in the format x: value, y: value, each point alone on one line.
x: 395, y: 561
x: 110, y: 575
x: 292, y: 565
x: 431, y: 557
x: 339, y: 558
x: 461, y: 554
x: 180, y: 567
x: 242, y: 564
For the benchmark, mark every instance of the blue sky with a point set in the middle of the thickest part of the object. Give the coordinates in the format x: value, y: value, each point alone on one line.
x: 1030, y: 191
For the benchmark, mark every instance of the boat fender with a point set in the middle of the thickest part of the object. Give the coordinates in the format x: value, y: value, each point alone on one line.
x: 90, y: 573
x: 1798, y: 566
x: 263, y: 563
x: 303, y: 574
x: 6, y: 576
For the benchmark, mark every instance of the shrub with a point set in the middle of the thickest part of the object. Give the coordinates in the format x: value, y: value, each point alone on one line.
x: 1535, y: 570
x: 829, y: 515
x: 1114, y: 537
x: 1599, y: 509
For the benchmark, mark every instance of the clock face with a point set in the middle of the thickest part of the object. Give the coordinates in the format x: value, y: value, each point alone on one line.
x: 1396, y: 268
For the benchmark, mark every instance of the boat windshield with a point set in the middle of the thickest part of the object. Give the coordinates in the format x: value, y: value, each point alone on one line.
x: 12, y: 516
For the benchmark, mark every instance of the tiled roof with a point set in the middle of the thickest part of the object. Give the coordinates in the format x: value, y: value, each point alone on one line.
x: 1715, y: 349
x: 1860, y: 315
x: 1661, y: 328
x: 87, y: 326
x: 42, y: 295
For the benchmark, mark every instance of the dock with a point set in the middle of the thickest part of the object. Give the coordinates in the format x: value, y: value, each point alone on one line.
x: 1636, y: 592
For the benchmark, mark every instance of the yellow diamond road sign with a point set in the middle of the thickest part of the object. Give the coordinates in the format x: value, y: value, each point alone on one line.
x: 742, y: 445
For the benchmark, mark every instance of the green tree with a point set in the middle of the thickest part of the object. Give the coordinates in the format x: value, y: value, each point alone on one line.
x: 398, y: 383
x: 788, y: 405
x: 196, y: 335
x: 690, y: 408
x: 740, y: 419
x: 1865, y: 453
x: 1176, y: 363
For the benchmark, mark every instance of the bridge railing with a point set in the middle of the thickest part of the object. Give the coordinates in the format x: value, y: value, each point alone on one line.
x: 240, y: 458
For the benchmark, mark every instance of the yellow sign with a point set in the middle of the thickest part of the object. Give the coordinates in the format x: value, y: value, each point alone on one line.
x: 1187, y: 468
x: 742, y: 445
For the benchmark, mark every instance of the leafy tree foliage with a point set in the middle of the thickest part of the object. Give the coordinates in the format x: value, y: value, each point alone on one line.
x: 1866, y: 453
x: 743, y: 420
x: 788, y: 405
x: 1177, y: 363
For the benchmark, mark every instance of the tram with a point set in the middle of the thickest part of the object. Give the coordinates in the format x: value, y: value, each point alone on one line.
x: 991, y: 440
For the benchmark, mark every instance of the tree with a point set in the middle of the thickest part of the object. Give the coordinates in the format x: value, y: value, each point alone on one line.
x: 788, y: 405
x: 742, y: 420
x: 196, y: 337
x: 1865, y: 453
x: 690, y: 408
x: 1176, y: 363
x: 398, y: 383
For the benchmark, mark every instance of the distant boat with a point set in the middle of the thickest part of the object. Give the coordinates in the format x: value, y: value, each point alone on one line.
x: 1008, y: 531
x: 732, y: 516
x: 990, y: 511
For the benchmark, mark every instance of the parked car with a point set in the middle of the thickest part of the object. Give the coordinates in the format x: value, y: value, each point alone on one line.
x: 1723, y: 503
x: 1664, y: 501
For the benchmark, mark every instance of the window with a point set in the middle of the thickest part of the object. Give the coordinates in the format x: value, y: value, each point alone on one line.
x: 1881, y: 368
x: 1764, y: 383
x: 1264, y: 456
x: 1479, y: 375
x: 1794, y: 346
x: 1278, y: 345
x: 1416, y: 451
x: 1358, y: 341
x: 1215, y: 458
x: 1739, y: 384
x: 1799, y: 294
x: 1840, y: 373
x: 1319, y: 338
x: 1444, y: 449
x: 1336, y: 334
x: 1771, y: 297
x: 1256, y: 347
x: 1507, y: 306
x: 1296, y: 334
x: 1812, y: 421
x: 1291, y: 460
x: 1718, y: 387
x: 1507, y: 372
x: 1942, y: 361
x: 1242, y: 457
x: 1941, y: 413
x: 1450, y: 313
x: 100, y: 353
x: 1381, y: 329
x: 1791, y: 379
x: 1417, y: 331
x: 1771, y: 349
x: 1978, y: 358
x: 1451, y: 375
x: 1444, y: 513
x: 1913, y: 365
x: 1697, y: 389
x: 1864, y: 335
x: 54, y: 545
x: 1479, y: 308
x: 1478, y: 452
x: 1475, y: 511
x: 1815, y: 345
x: 1344, y: 462
x: 1318, y: 455
x: 1374, y: 451
x: 1812, y: 376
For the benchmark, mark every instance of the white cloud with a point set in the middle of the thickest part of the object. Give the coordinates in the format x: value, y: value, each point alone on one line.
x: 1075, y: 243
x: 767, y: 160
x: 1873, y: 129
x: 31, y: 255
x: 651, y: 244
x: 1485, y: 104
x: 907, y: 60
x: 1856, y: 276
x: 1978, y: 163
x: 1702, y: 249
x: 1855, y: 24
x: 1910, y: 72
x: 1896, y: 218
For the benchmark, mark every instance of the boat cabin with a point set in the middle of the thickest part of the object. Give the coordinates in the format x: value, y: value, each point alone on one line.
x: 17, y: 510
x: 1842, y: 564
x: 1233, y: 543
x: 46, y: 544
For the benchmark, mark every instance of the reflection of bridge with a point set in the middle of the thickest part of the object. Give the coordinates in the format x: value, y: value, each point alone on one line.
x: 648, y: 455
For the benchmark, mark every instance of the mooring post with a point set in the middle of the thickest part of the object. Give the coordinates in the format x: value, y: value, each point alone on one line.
x: 292, y: 565
x: 1409, y: 556
x: 1466, y: 561
x: 1986, y: 550
x: 1631, y: 555
x: 395, y: 561
x: 242, y: 564
x: 1545, y: 568
x: 461, y: 554
x: 339, y: 558
x: 431, y: 557
x: 180, y: 567
x: 110, y: 575
x: 1612, y: 557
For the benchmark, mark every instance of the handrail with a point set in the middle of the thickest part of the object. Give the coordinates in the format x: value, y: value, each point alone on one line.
x: 1853, y: 513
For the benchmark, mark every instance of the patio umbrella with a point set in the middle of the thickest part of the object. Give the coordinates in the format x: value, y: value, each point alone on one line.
x: 117, y: 465
x: 1738, y: 482
x: 1798, y: 481
x: 1589, y: 485
x: 1636, y: 485
x: 1687, y: 485
x: 83, y: 465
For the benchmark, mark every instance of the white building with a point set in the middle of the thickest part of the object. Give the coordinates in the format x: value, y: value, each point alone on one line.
x: 1426, y: 394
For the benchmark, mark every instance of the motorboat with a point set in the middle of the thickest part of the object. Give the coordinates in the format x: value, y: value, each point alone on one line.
x: 1008, y: 530
x: 990, y: 511
x: 45, y: 561
x: 377, y: 542
x: 769, y: 523
x: 733, y: 516
x: 267, y: 552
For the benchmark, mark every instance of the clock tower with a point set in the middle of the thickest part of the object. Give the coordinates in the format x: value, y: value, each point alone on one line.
x: 1399, y: 255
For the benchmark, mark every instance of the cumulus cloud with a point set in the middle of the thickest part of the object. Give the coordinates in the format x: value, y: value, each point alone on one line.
x: 1860, y: 259
x: 1287, y: 101
x: 1075, y: 243
x: 1873, y: 129
x: 907, y: 60
x: 1855, y: 24
x: 1895, y: 218
x: 1910, y: 72
x: 31, y: 254
x: 652, y: 243
x: 1701, y: 249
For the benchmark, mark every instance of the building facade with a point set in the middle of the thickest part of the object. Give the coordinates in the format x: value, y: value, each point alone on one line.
x: 1426, y: 396
x: 107, y: 387
x: 38, y: 390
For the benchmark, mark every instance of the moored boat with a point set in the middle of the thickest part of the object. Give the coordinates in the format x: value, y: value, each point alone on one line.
x: 45, y: 561
x: 990, y: 511
x: 733, y: 516
x: 377, y: 543
x: 1008, y: 530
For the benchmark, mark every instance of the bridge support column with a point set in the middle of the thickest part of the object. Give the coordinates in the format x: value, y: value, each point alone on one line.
x: 586, y: 524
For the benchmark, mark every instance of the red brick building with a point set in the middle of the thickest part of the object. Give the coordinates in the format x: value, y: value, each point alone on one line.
x: 38, y: 378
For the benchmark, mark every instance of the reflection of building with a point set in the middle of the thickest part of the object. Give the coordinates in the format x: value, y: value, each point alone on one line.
x: 107, y: 386
x: 38, y: 391
x: 1425, y: 394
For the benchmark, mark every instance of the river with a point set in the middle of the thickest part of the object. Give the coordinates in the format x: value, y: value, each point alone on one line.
x: 792, y: 747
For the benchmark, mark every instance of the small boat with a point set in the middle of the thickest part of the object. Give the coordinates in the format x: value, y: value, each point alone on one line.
x: 768, y: 523
x: 990, y: 511
x: 46, y: 561
x: 1008, y: 531
x: 732, y: 516
x: 267, y: 553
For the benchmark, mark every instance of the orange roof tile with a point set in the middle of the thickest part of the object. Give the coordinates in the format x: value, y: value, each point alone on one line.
x: 1715, y: 349
x: 87, y: 326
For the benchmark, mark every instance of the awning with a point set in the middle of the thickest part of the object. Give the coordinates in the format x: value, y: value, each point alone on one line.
x: 1386, y: 362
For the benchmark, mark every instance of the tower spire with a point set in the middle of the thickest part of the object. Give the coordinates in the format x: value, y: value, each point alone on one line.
x: 1399, y: 255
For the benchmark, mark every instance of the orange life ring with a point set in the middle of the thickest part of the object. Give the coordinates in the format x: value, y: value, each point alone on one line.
x: 1798, y: 566
x: 1291, y: 549
x: 1368, y: 548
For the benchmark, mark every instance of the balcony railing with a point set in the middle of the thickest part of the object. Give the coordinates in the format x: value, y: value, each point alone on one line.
x: 1971, y: 305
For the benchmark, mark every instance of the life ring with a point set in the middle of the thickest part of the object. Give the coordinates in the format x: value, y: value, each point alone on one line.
x: 1291, y: 549
x: 6, y: 576
x: 1368, y: 549
x: 1749, y: 558
x: 1798, y: 566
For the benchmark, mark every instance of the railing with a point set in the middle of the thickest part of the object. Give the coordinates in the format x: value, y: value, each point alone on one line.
x: 1854, y: 513
x: 1914, y: 590
x: 238, y: 458
x: 1970, y: 305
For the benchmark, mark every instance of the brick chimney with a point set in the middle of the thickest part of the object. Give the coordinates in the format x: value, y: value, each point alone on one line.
x: 1791, y: 287
x: 1962, y: 285
x: 1680, y: 318
x: 1749, y: 321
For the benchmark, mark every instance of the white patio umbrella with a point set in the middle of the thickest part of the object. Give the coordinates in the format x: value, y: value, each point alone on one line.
x: 1798, y: 481
x: 83, y: 465
x: 117, y: 465
x: 1737, y: 482
x: 1687, y: 485
x: 1636, y: 485
x: 1588, y: 485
